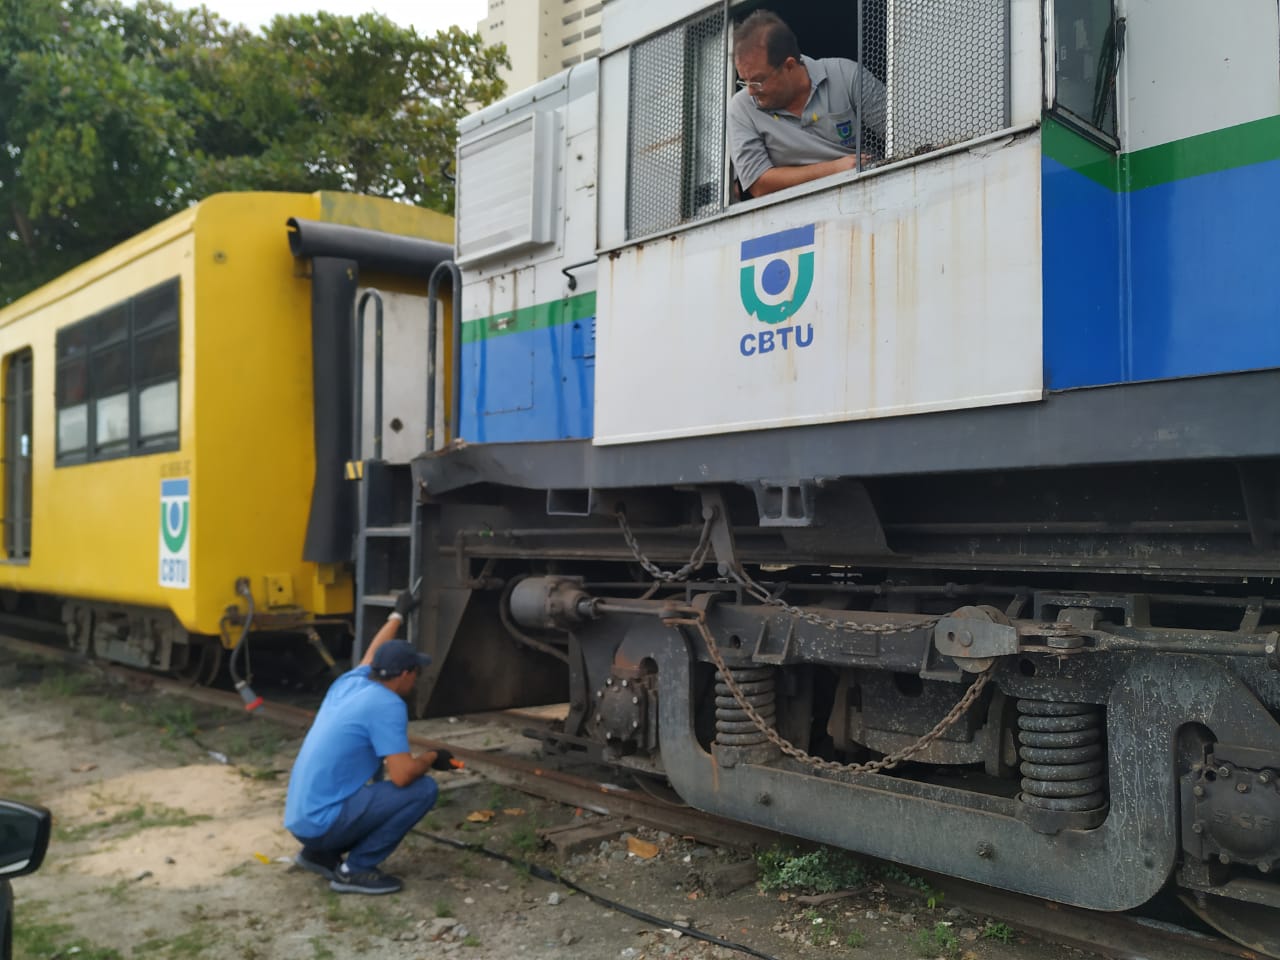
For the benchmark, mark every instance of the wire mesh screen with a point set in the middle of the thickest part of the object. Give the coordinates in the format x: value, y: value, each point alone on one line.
x: 945, y: 67
x: 678, y: 98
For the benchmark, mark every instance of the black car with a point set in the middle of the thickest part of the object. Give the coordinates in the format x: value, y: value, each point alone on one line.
x: 24, y: 837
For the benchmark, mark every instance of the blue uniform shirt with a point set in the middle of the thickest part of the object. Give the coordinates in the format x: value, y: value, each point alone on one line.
x: 359, y: 723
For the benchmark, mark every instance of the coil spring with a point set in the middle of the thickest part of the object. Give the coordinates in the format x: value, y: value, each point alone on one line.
x: 1062, y: 754
x: 733, y: 726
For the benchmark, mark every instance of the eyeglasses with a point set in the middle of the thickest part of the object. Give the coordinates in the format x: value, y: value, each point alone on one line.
x: 752, y: 86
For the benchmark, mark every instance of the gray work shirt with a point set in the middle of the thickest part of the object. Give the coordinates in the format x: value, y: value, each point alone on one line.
x: 827, y: 129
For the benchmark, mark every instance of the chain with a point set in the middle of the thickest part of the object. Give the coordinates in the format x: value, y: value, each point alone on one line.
x: 886, y: 762
x: 698, y: 558
x: 852, y: 626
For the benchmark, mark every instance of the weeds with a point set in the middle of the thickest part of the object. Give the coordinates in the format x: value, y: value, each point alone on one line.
x: 443, y: 908
x: 939, y: 941
x: 525, y: 839
x: 854, y: 939
x: 32, y: 939
x: 471, y: 940
x: 823, y: 870
x: 999, y: 932
x: 319, y: 951
x: 134, y: 820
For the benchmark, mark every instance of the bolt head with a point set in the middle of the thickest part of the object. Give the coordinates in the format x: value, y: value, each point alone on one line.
x: 1198, y: 790
x: 965, y: 638
x: 1224, y: 771
x: 1197, y: 827
x: 986, y: 851
x: 608, y: 681
x: 635, y: 700
x: 624, y: 683
x: 1242, y: 788
x: 1264, y: 778
x: 1264, y: 867
x: 1224, y: 859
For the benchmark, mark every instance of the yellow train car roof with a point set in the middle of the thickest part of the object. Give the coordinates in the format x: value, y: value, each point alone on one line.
x: 372, y: 213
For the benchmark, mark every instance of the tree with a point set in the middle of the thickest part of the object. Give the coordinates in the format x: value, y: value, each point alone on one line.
x: 115, y: 116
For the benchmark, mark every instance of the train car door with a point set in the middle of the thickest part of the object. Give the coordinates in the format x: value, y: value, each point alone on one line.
x: 17, y: 455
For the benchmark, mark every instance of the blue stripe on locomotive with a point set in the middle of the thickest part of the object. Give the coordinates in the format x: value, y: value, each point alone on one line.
x: 1193, y: 291
x: 530, y: 385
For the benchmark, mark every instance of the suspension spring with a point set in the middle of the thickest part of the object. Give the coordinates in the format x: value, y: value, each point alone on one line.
x: 1063, y: 766
x: 733, y: 726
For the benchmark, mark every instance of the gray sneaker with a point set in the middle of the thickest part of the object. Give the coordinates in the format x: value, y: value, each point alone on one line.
x: 323, y: 864
x: 370, y: 882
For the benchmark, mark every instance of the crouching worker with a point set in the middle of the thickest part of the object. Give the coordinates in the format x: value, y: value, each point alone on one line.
x: 335, y: 807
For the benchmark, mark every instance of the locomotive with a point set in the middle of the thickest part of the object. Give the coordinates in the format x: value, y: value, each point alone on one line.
x: 930, y: 509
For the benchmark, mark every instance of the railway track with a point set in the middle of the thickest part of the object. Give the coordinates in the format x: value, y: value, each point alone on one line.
x: 1121, y: 936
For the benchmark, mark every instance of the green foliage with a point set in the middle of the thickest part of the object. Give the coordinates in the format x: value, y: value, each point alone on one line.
x: 443, y: 908
x: 471, y: 940
x: 33, y: 939
x: 116, y: 115
x: 999, y: 932
x: 133, y: 820
x: 938, y: 942
x: 854, y: 939
x: 821, y: 871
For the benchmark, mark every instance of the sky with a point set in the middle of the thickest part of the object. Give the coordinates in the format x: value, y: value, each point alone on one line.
x: 426, y: 16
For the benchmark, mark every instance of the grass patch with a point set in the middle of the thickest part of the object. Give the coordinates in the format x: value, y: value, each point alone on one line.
x: 195, y: 942
x: 999, y: 932
x: 62, y: 684
x: 854, y: 939
x: 471, y: 940
x: 938, y: 942
x: 524, y: 838
x: 39, y: 941
x: 133, y: 820
x: 443, y: 908
x: 319, y: 951
x: 821, y: 871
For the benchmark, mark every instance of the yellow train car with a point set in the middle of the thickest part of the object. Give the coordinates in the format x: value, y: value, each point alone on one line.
x: 177, y: 413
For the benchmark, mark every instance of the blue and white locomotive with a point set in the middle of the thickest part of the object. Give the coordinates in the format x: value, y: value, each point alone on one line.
x: 931, y: 509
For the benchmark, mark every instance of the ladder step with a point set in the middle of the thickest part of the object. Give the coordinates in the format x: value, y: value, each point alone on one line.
x: 398, y: 530
x: 379, y: 599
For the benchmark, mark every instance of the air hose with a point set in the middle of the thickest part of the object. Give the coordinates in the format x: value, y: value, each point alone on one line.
x: 251, y: 700
x: 542, y: 873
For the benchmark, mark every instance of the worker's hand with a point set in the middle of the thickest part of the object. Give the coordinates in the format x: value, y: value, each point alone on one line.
x: 405, y: 602
x: 443, y: 760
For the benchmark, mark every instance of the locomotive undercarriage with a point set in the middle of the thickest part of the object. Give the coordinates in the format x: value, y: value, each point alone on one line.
x: 1124, y: 739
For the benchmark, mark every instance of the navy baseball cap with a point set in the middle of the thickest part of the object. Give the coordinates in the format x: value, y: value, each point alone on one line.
x: 395, y: 657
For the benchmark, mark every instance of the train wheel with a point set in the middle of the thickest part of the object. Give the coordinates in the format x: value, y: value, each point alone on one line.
x: 1251, y: 924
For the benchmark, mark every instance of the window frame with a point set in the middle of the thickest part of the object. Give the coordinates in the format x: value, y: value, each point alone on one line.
x: 1108, y: 139
x: 134, y: 331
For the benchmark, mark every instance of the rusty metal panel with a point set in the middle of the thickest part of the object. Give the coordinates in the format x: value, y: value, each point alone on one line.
x: 917, y: 290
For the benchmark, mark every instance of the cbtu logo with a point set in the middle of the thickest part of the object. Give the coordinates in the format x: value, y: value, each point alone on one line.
x: 774, y: 282
x: 777, y: 273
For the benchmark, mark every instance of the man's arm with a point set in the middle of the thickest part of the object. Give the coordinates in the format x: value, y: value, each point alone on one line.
x: 403, y: 768
x: 405, y: 602
x: 779, y: 178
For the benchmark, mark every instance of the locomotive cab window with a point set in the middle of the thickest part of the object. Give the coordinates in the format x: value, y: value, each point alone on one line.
x: 1087, y: 43
x: 117, y: 379
x: 905, y: 97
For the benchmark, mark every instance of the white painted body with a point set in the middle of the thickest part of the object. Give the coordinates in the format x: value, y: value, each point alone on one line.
x: 926, y: 296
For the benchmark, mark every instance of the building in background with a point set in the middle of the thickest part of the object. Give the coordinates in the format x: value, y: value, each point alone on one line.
x: 542, y: 36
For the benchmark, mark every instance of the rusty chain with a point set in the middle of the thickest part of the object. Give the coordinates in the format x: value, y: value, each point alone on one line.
x: 698, y: 558
x: 756, y: 590
x: 699, y: 620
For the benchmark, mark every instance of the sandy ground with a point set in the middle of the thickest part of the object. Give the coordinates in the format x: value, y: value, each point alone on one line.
x: 160, y: 850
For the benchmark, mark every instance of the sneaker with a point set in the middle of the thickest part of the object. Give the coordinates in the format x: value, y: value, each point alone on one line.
x: 318, y: 862
x: 371, y: 882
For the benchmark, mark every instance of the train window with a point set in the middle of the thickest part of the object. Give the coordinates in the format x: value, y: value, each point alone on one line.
x: 678, y: 101
x: 18, y: 423
x: 117, y: 379
x: 1087, y: 40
